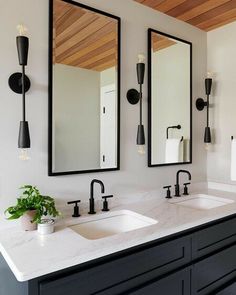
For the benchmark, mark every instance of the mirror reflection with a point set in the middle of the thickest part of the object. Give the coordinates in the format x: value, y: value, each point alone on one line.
x: 170, y: 100
x: 85, y: 99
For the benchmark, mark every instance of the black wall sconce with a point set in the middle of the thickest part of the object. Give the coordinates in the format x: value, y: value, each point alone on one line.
x: 134, y: 97
x: 20, y: 83
x: 201, y: 104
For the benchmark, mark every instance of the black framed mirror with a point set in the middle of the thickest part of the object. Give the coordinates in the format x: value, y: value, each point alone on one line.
x: 84, y: 89
x: 169, y: 100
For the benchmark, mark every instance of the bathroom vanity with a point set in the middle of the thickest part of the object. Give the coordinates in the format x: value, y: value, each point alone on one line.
x: 198, y: 259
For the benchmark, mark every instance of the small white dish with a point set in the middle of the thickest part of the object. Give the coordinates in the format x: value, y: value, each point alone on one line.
x: 46, y: 226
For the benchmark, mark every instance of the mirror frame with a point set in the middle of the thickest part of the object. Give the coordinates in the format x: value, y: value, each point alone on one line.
x: 50, y: 90
x: 150, y: 31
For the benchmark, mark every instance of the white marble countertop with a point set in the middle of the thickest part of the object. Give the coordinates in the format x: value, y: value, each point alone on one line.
x: 30, y: 255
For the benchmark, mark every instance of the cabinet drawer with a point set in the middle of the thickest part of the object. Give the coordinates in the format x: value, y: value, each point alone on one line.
x: 177, y: 284
x: 211, y: 273
x: 161, y: 258
x: 213, y: 238
x: 230, y: 290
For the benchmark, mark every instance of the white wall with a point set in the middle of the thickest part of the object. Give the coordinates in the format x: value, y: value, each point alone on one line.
x: 108, y: 77
x: 222, y: 62
x: 76, y: 125
x: 134, y: 175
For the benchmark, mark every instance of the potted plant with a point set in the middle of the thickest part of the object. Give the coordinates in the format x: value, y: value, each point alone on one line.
x: 31, y: 207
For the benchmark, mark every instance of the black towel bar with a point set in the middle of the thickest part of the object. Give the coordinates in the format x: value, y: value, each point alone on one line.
x: 171, y: 127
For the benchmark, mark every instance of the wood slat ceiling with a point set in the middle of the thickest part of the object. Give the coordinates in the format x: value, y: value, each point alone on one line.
x: 204, y: 14
x: 83, y: 38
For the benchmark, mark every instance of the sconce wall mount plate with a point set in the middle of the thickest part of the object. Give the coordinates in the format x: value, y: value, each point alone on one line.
x: 132, y: 96
x: 15, y: 83
x: 201, y: 104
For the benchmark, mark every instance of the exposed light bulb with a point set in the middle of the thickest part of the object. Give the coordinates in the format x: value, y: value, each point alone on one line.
x: 141, y: 149
x: 207, y: 146
x: 21, y: 29
x: 209, y: 74
x: 24, y: 155
x: 141, y: 58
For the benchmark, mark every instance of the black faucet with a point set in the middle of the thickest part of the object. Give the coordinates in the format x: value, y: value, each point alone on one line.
x: 177, y: 181
x: 91, y: 200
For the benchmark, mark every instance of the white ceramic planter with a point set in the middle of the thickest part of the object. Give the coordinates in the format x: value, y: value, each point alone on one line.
x: 26, y: 221
x: 46, y: 226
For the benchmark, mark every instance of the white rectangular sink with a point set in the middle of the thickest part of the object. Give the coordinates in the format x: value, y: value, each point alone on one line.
x: 111, y: 223
x: 202, y: 201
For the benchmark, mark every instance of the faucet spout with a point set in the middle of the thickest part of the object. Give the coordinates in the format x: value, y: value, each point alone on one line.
x: 183, y: 171
x: 91, y: 199
x: 177, y: 194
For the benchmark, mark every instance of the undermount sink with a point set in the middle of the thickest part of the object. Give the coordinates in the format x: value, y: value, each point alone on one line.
x: 202, y: 201
x: 112, y: 223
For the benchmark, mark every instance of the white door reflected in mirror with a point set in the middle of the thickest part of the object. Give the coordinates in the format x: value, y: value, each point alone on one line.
x: 108, y: 140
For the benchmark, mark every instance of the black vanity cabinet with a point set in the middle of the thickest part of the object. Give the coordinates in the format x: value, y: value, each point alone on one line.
x: 212, y: 272
x: 199, y: 261
x: 122, y: 273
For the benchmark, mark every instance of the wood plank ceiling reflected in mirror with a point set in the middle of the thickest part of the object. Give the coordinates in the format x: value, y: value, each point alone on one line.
x: 204, y: 14
x: 83, y: 38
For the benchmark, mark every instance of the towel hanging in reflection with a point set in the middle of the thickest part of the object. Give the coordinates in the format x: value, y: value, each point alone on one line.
x: 174, y: 150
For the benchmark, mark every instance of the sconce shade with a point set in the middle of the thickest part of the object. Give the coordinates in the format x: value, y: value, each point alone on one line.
x: 140, y: 72
x: 140, y: 135
x: 208, y: 84
x: 22, y: 44
x: 207, y: 135
x: 24, y: 135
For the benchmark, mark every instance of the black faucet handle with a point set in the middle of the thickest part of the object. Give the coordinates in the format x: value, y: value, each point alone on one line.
x: 105, y: 202
x: 74, y: 202
x: 76, y: 208
x: 167, y: 186
x: 186, y: 188
x: 168, y: 193
x: 107, y: 197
